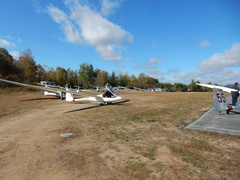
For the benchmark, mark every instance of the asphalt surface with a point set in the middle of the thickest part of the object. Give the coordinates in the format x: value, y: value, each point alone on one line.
x: 222, y: 123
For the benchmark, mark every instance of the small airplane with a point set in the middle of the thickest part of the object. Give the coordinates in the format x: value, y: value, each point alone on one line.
x: 107, y: 97
x: 219, y: 100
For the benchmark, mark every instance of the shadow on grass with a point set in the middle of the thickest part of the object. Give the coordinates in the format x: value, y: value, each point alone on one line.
x: 98, y: 106
x: 37, y: 99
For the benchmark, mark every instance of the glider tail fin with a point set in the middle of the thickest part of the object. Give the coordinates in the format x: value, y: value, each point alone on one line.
x: 69, y: 97
x: 219, y: 100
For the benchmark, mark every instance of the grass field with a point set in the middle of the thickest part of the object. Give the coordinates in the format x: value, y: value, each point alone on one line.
x: 140, y: 139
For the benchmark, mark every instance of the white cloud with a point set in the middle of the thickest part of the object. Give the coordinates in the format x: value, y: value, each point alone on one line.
x: 108, y: 7
x: 151, y: 68
x: 57, y: 15
x: 219, y: 61
x: 37, y: 6
x: 120, y: 72
x: 217, y: 69
x: 226, y: 76
x: 15, y: 54
x: 85, y: 26
x: 154, y: 61
x: 4, y: 43
x: 204, y: 43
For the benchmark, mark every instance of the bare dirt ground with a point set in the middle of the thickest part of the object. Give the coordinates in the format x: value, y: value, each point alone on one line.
x: 140, y: 139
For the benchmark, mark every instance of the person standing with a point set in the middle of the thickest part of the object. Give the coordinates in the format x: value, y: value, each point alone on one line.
x: 235, y: 94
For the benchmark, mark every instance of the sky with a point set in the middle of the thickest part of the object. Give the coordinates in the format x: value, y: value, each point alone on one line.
x: 174, y: 41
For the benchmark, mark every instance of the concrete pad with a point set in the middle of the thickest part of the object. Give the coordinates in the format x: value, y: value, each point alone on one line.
x: 214, y: 121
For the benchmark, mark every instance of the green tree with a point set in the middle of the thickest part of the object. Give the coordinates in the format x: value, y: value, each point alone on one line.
x: 194, y: 87
x: 72, y: 77
x: 113, y: 80
x: 86, y: 75
x: 123, y: 80
x: 133, y: 81
x: 180, y: 86
x: 7, y: 64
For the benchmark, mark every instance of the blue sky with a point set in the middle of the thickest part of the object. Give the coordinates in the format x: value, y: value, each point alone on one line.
x: 171, y: 40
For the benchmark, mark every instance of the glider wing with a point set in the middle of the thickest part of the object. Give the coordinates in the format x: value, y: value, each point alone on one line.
x: 226, y: 89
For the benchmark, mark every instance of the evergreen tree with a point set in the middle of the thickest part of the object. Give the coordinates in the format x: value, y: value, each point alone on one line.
x: 113, y: 80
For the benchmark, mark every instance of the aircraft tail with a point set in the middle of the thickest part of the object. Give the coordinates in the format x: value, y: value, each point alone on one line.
x: 69, y: 97
x: 219, y: 101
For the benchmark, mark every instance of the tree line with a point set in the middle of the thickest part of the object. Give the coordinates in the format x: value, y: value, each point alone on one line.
x: 26, y: 70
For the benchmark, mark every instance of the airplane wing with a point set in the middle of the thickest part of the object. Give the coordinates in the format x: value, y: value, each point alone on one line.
x: 226, y: 89
x: 54, y: 90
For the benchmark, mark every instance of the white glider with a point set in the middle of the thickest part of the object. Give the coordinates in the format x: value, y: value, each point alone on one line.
x: 225, y: 89
x: 107, y: 97
x: 219, y: 100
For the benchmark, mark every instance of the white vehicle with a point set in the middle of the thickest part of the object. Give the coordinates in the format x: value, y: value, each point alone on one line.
x: 107, y: 97
x: 219, y: 99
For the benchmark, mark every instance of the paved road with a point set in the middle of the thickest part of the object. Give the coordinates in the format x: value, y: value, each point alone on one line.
x: 218, y: 122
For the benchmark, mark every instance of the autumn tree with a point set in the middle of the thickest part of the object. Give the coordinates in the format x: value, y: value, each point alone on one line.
x: 50, y: 74
x: 72, y: 77
x: 142, y: 81
x: 27, y: 66
x: 151, y: 82
x: 61, y: 76
x: 123, y: 80
x: 40, y: 73
x: 133, y: 81
x: 102, y: 77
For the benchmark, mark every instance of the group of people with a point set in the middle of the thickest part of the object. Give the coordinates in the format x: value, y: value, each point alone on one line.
x: 235, y: 94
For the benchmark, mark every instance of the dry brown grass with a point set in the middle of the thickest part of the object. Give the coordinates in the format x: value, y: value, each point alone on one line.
x: 140, y: 139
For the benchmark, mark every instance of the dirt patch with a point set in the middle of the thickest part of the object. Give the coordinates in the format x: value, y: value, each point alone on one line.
x: 140, y: 139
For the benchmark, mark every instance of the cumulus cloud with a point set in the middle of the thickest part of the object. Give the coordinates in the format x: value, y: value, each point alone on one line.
x: 218, y: 61
x: 84, y: 25
x: 219, y: 68
x: 224, y: 77
x: 4, y: 43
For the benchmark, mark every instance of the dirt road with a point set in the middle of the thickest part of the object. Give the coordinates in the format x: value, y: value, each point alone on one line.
x: 140, y: 139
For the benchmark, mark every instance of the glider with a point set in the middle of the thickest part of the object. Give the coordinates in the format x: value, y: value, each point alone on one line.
x: 225, y: 89
x: 107, y: 97
x: 219, y: 100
